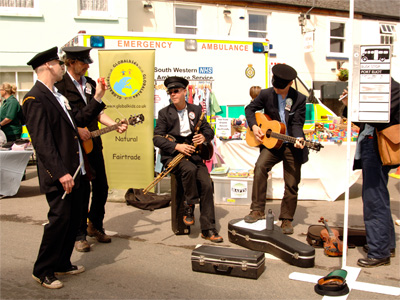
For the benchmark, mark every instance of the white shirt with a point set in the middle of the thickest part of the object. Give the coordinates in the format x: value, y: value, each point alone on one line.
x: 184, y: 122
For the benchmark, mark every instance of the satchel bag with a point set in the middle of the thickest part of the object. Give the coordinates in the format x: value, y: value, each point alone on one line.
x: 389, y: 145
x: 148, y: 201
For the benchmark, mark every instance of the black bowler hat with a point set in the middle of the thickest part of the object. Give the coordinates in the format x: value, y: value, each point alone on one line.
x: 176, y: 82
x: 79, y: 53
x: 283, y: 75
x: 43, y: 57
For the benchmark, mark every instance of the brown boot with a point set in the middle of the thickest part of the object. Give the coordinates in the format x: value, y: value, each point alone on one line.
x: 287, y: 227
x: 82, y: 246
x: 98, y: 234
x: 254, y: 216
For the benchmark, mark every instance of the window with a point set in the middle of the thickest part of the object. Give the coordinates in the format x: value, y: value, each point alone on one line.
x: 94, y: 5
x: 17, y: 3
x: 257, y: 26
x: 185, y: 20
x: 95, y: 8
x: 22, y: 79
x: 337, y: 37
x: 19, y: 7
x: 387, y: 33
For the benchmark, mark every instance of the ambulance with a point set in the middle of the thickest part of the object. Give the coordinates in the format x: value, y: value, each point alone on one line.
x: 228, y: 66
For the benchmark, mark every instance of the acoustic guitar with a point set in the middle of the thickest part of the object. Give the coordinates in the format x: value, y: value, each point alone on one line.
x: 274, y: 134
x: 133, y: 120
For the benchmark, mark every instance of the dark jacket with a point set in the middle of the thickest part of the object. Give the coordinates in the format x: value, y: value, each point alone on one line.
x: 67, y: 88
x: 54, y: 138
x: 294, y: 118
x: 168, y: 123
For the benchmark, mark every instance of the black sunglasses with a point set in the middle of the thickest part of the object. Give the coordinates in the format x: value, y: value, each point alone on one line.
x: 176, y: 91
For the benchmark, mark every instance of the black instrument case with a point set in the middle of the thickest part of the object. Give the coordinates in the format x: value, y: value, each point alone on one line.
x: 274, y: 242
x: 228, y: 261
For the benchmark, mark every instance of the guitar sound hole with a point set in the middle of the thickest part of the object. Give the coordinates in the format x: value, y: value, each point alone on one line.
x: 268, y: 133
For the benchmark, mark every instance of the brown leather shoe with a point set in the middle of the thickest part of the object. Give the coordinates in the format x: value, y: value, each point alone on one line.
x: 98, y: 234
x: 254, y: 216
x: 82, y: 246
x: 287, y: 227
x: 188, y: 217
x: 212, y: 235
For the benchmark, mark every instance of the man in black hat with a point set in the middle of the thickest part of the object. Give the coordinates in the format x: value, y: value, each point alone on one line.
x: 284, y: 104
x: 178, y: 121
x: 52, y: 126
x: 80, y: 91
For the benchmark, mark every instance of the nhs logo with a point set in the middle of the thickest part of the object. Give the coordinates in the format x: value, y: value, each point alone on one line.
x: 205, y: 70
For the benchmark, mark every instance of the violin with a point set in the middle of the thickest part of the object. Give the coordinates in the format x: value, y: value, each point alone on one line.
x: 333, y: 246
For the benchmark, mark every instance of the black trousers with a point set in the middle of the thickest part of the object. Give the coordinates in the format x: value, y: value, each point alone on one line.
x: 291, y: 175
x: 99, y: 194
x: 60, y: 232
x: 197, y: 184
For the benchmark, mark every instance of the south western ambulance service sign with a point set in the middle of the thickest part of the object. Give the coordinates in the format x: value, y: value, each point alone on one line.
x: 371, y: 83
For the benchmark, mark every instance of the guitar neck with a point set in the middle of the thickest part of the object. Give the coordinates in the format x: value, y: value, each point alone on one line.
x: 290, y: 139
x: 104, y: 130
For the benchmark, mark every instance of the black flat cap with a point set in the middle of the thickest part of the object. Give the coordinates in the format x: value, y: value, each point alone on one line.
x: 283, y: 75
x: 176, y: 82
x: 80, y: 53
x: 43, y: 57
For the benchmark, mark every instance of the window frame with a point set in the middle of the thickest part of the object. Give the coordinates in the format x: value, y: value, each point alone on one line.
x: 259, y: 13
x: 92, y: 14
x: 20, y: 91
x: 345, y: 39
x: 22, y: 11
x: 387, y: 34
x: 192, y: 7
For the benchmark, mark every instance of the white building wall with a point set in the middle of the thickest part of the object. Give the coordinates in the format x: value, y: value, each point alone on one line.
x: 284, y: 33
x: 55, y: 22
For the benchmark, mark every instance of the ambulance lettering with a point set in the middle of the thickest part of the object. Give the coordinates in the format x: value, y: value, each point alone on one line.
x: 224, y: 47
x: 144, y: 44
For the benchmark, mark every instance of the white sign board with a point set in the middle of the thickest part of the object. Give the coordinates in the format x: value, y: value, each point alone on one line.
x: 223, y: 127
x: 371, y: 84
x: 309, y: 41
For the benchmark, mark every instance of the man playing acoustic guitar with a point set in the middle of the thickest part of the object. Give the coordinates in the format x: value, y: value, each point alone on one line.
x: 284, y: 104
x: 80, y: 90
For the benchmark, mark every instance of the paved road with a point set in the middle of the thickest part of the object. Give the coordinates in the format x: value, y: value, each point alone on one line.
x: 146, y: 261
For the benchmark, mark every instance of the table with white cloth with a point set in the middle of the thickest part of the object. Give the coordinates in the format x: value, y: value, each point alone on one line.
x: 12, y: 169
x: 323, y: 177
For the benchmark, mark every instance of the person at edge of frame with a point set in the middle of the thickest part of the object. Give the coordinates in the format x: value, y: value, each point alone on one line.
x: 379, y: 226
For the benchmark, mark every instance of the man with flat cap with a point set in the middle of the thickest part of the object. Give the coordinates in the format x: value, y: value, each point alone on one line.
x: 52, y: 125
x: 284, y: 104
x: 80, y: 91
x: 178, y: 120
